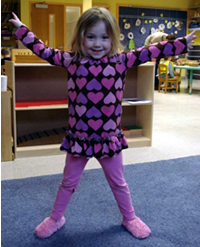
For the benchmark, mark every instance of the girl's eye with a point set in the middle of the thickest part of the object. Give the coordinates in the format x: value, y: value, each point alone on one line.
x: 90, y: 37
x: 105, y: 37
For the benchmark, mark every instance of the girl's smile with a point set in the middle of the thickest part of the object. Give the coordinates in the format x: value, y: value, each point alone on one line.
x: 96, y: 42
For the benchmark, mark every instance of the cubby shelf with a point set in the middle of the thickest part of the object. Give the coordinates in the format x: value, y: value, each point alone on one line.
x: 7, y: 28
x: 194, y: 16
x: 43, y: 81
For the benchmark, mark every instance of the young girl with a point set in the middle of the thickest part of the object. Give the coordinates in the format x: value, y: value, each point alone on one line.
x: 167, y: 61
x: 96, y: 80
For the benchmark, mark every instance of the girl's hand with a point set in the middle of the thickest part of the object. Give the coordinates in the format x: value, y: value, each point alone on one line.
x: 190, y: 39
x: 15, y: 21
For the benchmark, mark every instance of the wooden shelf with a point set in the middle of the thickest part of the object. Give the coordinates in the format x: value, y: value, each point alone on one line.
x: 194, y: 17
x: 54, y: 149
x: 139, y: 102
x: 5, y: 16
x: 33, y: 65
x: 43, y: 81
x: 195, y: 7
x: 6, y: 126
x: 65, y: 106
x: 6, y: 24
x: 7, y: 12
x: 192, y: 51
x: 192, y: 29
x: 7, y: 37
x: 140, y: 141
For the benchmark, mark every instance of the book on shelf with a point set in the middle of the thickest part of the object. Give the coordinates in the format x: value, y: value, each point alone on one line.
x: 10, y: 6
x: 5, y: 6
x: 5, y: 31
x: 132, y: 131
x: 45, y: 134
x: 136, y: 101
x: 5, y: 18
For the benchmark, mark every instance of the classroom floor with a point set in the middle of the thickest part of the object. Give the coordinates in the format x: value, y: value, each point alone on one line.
x: 176, y: 133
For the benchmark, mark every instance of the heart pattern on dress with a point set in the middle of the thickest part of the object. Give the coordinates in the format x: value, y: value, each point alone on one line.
x: 81, y: 98
x: 119, y: 95
x: 71, y: 84
x: 120, y: 68
x: 93, y: 112
x: 108, y: 110
x: 118, y: 84
x: 179, y: 46
x: 168, y: 49
x: 82, y: 71
x: 131, y: 59
x: 108, y: 83
x: 81, y: 82
x: 95, y: 124
x: 72, y: 95
x: 109, y: 71
x: 118, y: 110
x: 144, y: 56
x: 95, y: 97
x: 71, y: 110
x: 72, y: 69
x: 109, y: 125
x: 72, y: 121
x: 110, y: 98
x: 81, y: 125
x: 95, y: 70
x: 95, y: 91
x: 38, y: 47
x: 30, y: 38
x: 154, y: 51
x: 80, y: 110
x: 93, y: 84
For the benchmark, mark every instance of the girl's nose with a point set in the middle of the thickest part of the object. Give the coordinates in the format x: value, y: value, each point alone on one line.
x: 97, y: 42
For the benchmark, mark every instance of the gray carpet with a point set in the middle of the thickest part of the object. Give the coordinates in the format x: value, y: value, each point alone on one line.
x: 165, y: 195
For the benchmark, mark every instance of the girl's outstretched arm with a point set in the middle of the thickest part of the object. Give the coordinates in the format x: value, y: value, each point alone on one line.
x: 159, y: 50
x: 29, y: 39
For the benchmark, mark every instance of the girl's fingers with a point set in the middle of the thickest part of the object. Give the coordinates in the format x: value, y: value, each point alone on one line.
x: 15, y: 16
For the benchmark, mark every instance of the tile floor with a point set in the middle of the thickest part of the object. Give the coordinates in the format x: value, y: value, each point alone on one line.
x: 176, y: 133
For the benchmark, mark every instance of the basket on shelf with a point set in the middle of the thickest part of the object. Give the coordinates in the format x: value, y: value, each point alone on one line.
x: 194, y: 63
x: 29, y: 59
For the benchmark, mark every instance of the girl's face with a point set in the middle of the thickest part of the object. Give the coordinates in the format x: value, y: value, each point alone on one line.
x: 96, y: 42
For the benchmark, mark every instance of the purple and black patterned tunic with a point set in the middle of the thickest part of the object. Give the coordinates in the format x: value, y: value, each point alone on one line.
x: 95, y: 91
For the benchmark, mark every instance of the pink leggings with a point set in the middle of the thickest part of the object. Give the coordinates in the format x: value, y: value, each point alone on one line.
x: 113, y: 170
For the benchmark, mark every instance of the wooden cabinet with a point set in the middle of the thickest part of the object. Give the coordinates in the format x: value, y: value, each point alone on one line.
x: 7, y: 28
x: 194, y: 22
x: 38, y: 128
x: 6, y: 127
x: 194, y: 54
x: 194, y: 17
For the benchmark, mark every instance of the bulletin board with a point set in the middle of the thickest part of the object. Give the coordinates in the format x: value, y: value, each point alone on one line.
x: 136, y: 24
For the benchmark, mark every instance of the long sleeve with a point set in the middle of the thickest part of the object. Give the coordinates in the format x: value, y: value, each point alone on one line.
x: 53, y: 56
x: 157, y: 50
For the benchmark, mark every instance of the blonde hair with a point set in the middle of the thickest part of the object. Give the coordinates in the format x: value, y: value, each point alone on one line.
x: 87, y: 20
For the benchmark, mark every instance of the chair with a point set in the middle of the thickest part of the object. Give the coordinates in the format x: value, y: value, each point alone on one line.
x: 165, y: 81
